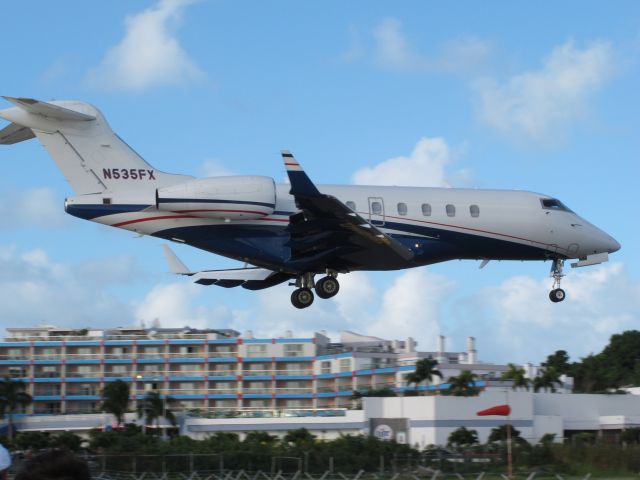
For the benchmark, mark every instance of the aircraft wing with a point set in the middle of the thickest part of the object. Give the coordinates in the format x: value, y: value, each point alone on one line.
x: 253, y: 278
x: 327, y: 232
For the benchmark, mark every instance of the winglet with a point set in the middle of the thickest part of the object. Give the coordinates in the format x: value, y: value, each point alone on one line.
x: 175, y: 264
x: 301, y: 184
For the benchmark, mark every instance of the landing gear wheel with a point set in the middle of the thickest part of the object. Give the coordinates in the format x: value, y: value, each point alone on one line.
x: 327, y: 287
x: 302, y: 297
x: 556, y: 295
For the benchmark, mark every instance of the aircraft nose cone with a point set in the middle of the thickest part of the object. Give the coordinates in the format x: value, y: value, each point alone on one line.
x: 614, y: 246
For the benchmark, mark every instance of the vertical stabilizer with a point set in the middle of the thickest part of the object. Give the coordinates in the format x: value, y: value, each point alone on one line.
x: 90, y: 155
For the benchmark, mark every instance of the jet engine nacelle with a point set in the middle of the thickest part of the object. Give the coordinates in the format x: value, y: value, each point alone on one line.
x: 229, y: 198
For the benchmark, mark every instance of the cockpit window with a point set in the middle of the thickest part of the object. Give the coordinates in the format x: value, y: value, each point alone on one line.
x: 554, y: 204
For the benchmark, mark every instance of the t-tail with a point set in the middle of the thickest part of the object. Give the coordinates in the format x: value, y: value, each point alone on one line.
x: 90, y: 155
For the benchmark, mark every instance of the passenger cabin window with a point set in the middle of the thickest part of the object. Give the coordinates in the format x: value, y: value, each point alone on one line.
x: 426, y: 209
x: 402, y: 208
x: 554, y: 204
x: 451, y: 210
x: 376, y: 208
x: 474, y: 210
x: 351, y: 205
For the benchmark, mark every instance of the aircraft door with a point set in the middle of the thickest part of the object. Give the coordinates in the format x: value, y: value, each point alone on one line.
x: 376, y: 211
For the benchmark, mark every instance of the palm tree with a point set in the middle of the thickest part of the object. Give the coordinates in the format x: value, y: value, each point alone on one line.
x: 424, y: 372
x: 463, y: 385
x: 517, y: 376
x: 12, y: 398
x: 153, y: 407
x: 115, y: 399
x: 547, y: 379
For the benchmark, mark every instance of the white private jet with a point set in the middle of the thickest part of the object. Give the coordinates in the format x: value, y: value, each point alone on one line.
x: 295, y: 232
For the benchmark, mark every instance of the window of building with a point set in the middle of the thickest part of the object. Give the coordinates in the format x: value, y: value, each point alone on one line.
x: 293, y: 350
x: 402, y: 208
x: 295, y: 367
x: 151, y: 351
x: 85, y: 351
x: 256, y: 350
x: 351, y: 205
x: 223, y: 386
x: 376, y: 208
x: 17, y: 372
x: 15, y: 353
x: 325, y: 367
x: 119, y: 368
x: 259, y: 403
x: 345, y: 364
x: 451, y: 210
x: 84, y: 369
x: 257, y: 367
x: 426, y: 209
x: 474, y: 210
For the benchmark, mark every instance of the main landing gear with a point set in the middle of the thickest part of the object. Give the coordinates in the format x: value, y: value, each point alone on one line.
x: 326, y: 287
x: 557, y: 294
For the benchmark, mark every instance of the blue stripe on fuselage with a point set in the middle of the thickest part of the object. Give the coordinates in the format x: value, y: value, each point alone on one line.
x: 266, y: 245
x: 91, y: 211
x: 208, y: 200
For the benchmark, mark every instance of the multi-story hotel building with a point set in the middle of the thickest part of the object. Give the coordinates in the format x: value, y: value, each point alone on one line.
x: 214, y: 370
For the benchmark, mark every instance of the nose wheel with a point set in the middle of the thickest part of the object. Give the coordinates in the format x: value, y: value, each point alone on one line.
x: 557, y: 294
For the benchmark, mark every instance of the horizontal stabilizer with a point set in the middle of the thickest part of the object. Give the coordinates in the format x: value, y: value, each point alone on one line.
x: 49, y: 110
x: 253, y: 278
x: 235, y: 276
x: 14, y: 133
x: 175, y: 264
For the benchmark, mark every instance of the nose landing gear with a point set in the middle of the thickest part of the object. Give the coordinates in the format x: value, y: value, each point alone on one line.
x: 557, y: 294
x: 326, y: 287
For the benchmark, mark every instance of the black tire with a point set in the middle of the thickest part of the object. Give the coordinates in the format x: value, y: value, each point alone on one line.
x: 557, y: 295
x: 302, y: 298
x: 327, y: 287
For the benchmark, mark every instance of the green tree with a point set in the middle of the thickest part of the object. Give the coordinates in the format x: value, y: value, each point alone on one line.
x: 630, y: 435
x: 66, y: 440
x: 618, y: 365
x: 559, y: 360
x: 461, y: 437
x: 299, y: 436
x: 426, y: 370
x: 463, y: 385
x: 31, y: 440
x: 499, y: 434
x: 153, y: 407
x: 115, y: 399
x: 13, y: 398
x: 547, y: 380
x: 517, y: 376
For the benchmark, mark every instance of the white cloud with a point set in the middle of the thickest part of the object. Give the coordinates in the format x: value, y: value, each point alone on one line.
x: 517, y: 321
x: 425, y: 167
x: 36, y: 290
x: 356, y: 50
x: 173, y: 305
x: 411, y: 307
x: 37, y: 207
x: 149, y: 54
x: 214, y: 168
x: 534, y: 105
x: 459, y: 55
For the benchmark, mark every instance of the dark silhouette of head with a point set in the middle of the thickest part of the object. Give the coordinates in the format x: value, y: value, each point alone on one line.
x: 54, y: 464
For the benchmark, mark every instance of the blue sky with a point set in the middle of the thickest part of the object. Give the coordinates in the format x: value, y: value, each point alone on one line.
x: 538, y: 96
